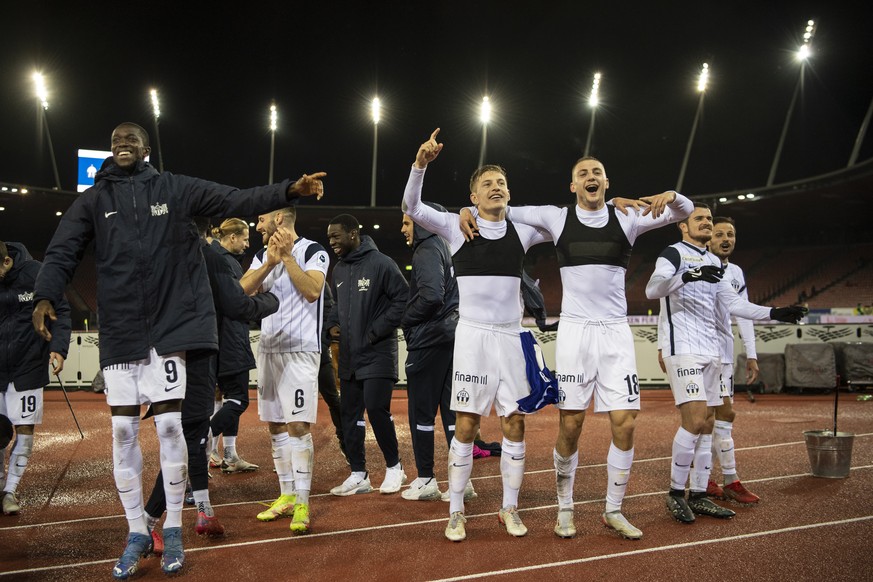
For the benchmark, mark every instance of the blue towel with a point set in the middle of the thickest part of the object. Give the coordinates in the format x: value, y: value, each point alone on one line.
x: 543, y: 384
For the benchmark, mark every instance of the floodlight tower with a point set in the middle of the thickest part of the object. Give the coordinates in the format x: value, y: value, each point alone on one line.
x: 156, y: 111
x: 42, y: 97
x: 592, y: 103
x: 702, y: 80
x: 376, y: 112
x: 802, y: 55
x: 274, y: 118
x: 484, y: 117
x: 861, y: 133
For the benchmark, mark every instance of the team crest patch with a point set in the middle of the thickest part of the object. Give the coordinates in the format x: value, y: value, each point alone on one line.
x: 363, y: 284
x: 463, y: 397
x: 692, y: 389
x: 562, y: 396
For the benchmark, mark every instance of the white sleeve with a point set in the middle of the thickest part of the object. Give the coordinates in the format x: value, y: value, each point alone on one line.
x: 664, y: 280
x: 444, y: 224
x: 738, y: 306
x: 680, y: 209
x: 547, y: 218
x: 747, y: 328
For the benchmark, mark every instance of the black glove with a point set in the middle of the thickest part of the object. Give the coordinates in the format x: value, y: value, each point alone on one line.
x: 707, y: 273
x: 543, y: 326
x: 788, y: 314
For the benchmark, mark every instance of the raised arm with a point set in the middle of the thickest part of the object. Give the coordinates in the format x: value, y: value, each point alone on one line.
x: 444, y: 224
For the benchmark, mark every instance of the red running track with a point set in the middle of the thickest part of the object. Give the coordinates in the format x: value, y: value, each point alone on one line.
x: 806, y: 528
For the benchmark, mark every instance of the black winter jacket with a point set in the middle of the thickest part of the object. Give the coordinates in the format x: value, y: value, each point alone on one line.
x: 234, y: 309
x: 370, y: 293
x: 152, y: 287
x: 24, y: 356
x: 431, y: 313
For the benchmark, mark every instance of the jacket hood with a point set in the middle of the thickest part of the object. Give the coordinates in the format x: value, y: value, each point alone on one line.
x: 367, y: 246
x: 19, y: 255
x: 418, y: 232
x: 109, y: 170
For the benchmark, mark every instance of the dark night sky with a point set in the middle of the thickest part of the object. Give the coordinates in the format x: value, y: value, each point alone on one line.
x: 218, y: 69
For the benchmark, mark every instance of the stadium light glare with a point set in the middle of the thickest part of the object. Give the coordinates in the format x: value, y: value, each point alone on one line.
x: 41, y: 91
x: 485, y: 110
x: 376, y: 110
x: 741, y: 197
x: 274, y: 123
x: 750, y: 195
x: 156, y: 112
x: 485, y: 118
x: 703, y: 79
x: 375, y: 227
x: 805, y: 49
x: 156, y: 106
x: 376, y: 114
x: 722, y: 199
x: 42, y: 96
x: 593, y: 97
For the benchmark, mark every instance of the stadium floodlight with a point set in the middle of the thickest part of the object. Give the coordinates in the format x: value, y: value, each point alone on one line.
x: 593, y: 101
x: 485, y: 118
x: 156, y: 113
x: 805, y: 49
x: 274, y: 120
x: 702, y: 81
x: 376, y: 114
x: 803, y: 54
x: 42, y: 97
x: 41, y: 91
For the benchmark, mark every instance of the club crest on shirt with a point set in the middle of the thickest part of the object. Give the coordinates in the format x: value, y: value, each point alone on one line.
x: 159, y: 209
x: 25, y: 297
x: 692, y: 389
x: 463, y: 397
x: 363, y: 284
x: 562, y: 396
x: 736, y: 285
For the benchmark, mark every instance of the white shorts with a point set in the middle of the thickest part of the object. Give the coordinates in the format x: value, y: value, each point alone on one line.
x: 22, y: 408
x: 694, y: 378
x: 726, y: 382
x: 489, y: 369
x: 153, y: 379
x: 288, y: 386
x: 596, y: 359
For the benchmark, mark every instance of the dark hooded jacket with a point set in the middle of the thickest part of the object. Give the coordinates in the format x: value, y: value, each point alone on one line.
x: 431, y: 313
x: 152, y: 287
x: 234, y: 309
x: 24, y: 356
x: 370, y: 294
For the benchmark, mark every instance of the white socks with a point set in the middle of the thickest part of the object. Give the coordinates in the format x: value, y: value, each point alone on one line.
x: 174, y: 464
x: 683, y: 453
x: 512, y: 470
x: 18, y: 460
x: 723, y: 450
x: 618, y: 467
x: 127, y: 469
x: 565, y: 474
x: 702, y: 464
x: 282, y: 462
x: 460, y: 469
x: 302, y: 452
